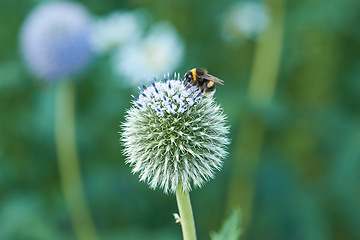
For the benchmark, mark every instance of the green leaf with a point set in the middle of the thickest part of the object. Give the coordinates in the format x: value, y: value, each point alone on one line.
x: 230, y: 229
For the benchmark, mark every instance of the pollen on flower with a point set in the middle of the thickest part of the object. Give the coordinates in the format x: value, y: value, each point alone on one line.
x: 173, y: 136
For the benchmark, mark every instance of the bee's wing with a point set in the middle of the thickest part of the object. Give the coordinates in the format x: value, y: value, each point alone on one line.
x: 213, y: 79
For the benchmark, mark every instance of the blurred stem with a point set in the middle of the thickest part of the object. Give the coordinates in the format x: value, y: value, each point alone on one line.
x: 69, y: 169
x: 252, y: 130
x: 186, y: 214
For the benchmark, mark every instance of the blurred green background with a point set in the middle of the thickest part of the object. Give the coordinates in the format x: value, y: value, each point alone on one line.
x: 292, y: 96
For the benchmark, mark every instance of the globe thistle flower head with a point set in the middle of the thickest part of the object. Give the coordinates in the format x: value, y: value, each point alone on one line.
x: 55, y: 39
x: 173, y: 136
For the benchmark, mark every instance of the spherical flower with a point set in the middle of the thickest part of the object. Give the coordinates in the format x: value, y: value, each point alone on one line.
x: 55, y: 39
x: 173, y: 136
x: 116, y: 29
x: 160, y: 50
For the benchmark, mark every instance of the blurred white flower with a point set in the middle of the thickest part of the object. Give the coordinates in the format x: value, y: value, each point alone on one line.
x: 161, y: 50
x: 116, y: 29
x: 245, y: 19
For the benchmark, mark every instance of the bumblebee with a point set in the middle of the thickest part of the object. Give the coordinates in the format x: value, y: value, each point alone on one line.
x: 200, y: 78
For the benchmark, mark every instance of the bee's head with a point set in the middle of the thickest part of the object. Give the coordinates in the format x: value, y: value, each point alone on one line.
x: 188, y: 76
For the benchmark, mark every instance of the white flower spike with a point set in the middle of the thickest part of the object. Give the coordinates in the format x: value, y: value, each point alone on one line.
x: 173, y: 136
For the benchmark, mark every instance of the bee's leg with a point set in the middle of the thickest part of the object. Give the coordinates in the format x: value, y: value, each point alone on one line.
x: 190, y: 83
x: 197, y: 95
x: 187, y: 85
x: 203, y: 88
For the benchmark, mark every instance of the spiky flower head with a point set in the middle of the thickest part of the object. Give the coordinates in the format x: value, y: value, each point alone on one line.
x: 173, y: 136
x: 55, y: 39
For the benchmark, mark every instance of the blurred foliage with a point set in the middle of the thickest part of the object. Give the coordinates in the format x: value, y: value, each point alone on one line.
x: 306, y: 183
x: 230, y: 229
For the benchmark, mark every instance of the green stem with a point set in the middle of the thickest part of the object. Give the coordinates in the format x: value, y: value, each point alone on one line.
x: 186, y: 214
x: 69, y: 169
x: 261, y: 92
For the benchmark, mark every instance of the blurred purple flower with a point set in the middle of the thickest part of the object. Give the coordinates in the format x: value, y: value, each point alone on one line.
x: 55, y: 39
